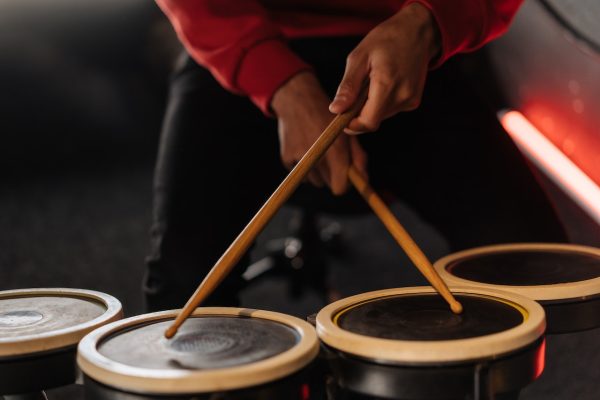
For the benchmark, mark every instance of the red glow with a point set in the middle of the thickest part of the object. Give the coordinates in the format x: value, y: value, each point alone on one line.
x: 540, y: 361
x: 554, y: 163
x: 305, y: 392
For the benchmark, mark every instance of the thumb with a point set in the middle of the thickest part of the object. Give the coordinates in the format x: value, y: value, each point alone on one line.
x: 349, y: 88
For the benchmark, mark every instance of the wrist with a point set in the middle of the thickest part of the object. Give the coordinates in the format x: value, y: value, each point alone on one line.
x: 426, y: 27
x: 299, y: 87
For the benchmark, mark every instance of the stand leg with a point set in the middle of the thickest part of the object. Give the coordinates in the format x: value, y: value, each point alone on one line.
x: 26, y: 396
x: 482, y: 389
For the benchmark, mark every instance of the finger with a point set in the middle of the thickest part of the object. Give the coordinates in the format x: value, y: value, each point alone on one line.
x: 375, y: 108
x: 354, y: 75
x: 315, y: 178
x: 359, y: 157
x: 338, y: 161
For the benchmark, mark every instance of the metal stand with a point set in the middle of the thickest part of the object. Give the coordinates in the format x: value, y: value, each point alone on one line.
x: 301, y: 257
x: 26, y: 396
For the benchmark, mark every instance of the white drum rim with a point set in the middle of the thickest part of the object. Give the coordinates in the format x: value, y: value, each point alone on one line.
x: 412, y: 352
x: 560, y: 291
x: 59, y: 338
x: 160, y: 381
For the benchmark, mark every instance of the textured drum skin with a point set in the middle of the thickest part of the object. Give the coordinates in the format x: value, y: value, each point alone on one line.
x: 527, y: 267
x: 201, y: 343
x: 427, y: 317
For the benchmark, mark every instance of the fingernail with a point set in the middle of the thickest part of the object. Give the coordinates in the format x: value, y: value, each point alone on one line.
x: 351, y: 132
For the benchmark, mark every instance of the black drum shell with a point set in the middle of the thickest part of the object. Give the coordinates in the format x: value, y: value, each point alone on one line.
x: 507, y: 373
x: 38, y: 371
x: 294, y: 387
x: 572, y: 315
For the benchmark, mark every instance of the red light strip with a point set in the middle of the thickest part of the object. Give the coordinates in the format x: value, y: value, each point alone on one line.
x: 553, y: 162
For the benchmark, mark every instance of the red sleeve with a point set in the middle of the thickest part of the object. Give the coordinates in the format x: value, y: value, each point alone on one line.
x: 237, y: 42
x: 466, y: 25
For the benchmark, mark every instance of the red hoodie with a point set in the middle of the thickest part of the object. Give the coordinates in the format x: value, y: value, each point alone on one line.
x: 243, y: 42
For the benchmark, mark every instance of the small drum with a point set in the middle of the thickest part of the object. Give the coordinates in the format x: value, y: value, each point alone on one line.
x: 218, y: 353
x: 563, y: 278
x: 39, y: 332
x: 407, y: 344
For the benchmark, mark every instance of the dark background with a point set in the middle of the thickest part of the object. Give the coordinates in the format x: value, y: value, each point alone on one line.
x: 82, y: 89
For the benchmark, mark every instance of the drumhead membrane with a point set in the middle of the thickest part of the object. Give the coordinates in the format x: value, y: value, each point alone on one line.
x: 428, y: 317
x: 24, y: 316
x: 201, y: 343
x: 522, y: 267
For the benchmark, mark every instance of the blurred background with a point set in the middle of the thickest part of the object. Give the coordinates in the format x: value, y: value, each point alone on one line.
x: 82, y: 92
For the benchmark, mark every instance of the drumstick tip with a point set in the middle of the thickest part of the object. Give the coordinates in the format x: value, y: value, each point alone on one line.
x: 456, y: 307
x: 171, y: 331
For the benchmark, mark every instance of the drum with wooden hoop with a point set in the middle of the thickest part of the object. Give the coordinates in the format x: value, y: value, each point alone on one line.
x: 407, y: 344
x: 218, y: 353
x: 39, y: 333
x: 563, y: 278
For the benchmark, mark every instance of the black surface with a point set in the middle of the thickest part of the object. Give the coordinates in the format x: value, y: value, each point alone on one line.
x: 428, y: 317
x: 527, y: 267
x: 38, y: 371
x: 293, y: 387
x: 201, y: 343
x: 579, y: 17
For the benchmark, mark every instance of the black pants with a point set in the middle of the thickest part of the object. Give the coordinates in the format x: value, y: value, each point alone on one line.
x: 449, y: 160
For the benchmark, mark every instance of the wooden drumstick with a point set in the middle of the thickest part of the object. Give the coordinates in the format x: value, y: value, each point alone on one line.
x: 241, y: 244
x: 402, y: 237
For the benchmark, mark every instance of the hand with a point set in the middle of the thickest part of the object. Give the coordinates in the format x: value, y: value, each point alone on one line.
x: 395, y: 58
x: 301, y: 108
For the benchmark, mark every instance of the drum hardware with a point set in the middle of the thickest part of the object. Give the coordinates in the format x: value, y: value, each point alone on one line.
x: 26, y: 396
x: 241, y: 244
x: 306, y: 244
x: 362, y: 338
x: 39, y: 332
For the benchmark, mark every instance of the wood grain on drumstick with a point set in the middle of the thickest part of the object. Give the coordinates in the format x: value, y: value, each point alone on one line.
x: 402, y: 237
x: 241, y: 244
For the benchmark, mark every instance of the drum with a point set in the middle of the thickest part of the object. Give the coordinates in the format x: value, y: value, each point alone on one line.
x: 218, y: 353
x: 39, y: 332
x: 407, y: 344
x: 563, y: 278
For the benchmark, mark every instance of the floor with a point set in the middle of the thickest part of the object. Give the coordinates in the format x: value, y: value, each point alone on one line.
x: 88, y: 229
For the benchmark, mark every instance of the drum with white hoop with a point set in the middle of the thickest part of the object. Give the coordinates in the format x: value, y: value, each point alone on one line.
x: 563, y: 278
x: 218, y: 353
x: 39, y: 333
x: 407, y: 344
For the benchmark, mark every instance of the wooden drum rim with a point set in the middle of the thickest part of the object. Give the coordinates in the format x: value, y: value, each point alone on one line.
x: 414, y: 352
x: 161, y: 381
x: 59, y: 338
x: 559, y: 291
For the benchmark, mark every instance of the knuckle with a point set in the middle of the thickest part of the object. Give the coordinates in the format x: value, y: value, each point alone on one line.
x: 352, y: 57
x: 370, y: 124
x: 346, y: 86
x: 383, y: 77
x: 404, y: 94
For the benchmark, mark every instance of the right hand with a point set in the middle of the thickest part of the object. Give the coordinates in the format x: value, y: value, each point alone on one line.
x: 301, y: 106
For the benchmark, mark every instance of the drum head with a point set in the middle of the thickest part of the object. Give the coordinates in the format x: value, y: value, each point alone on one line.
x: 416, y: 326
x: 35, y: 320
x: 538, y: 271
x: 217, y: 349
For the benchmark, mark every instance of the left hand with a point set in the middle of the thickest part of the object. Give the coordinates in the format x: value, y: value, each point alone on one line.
x: 395, y: 57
